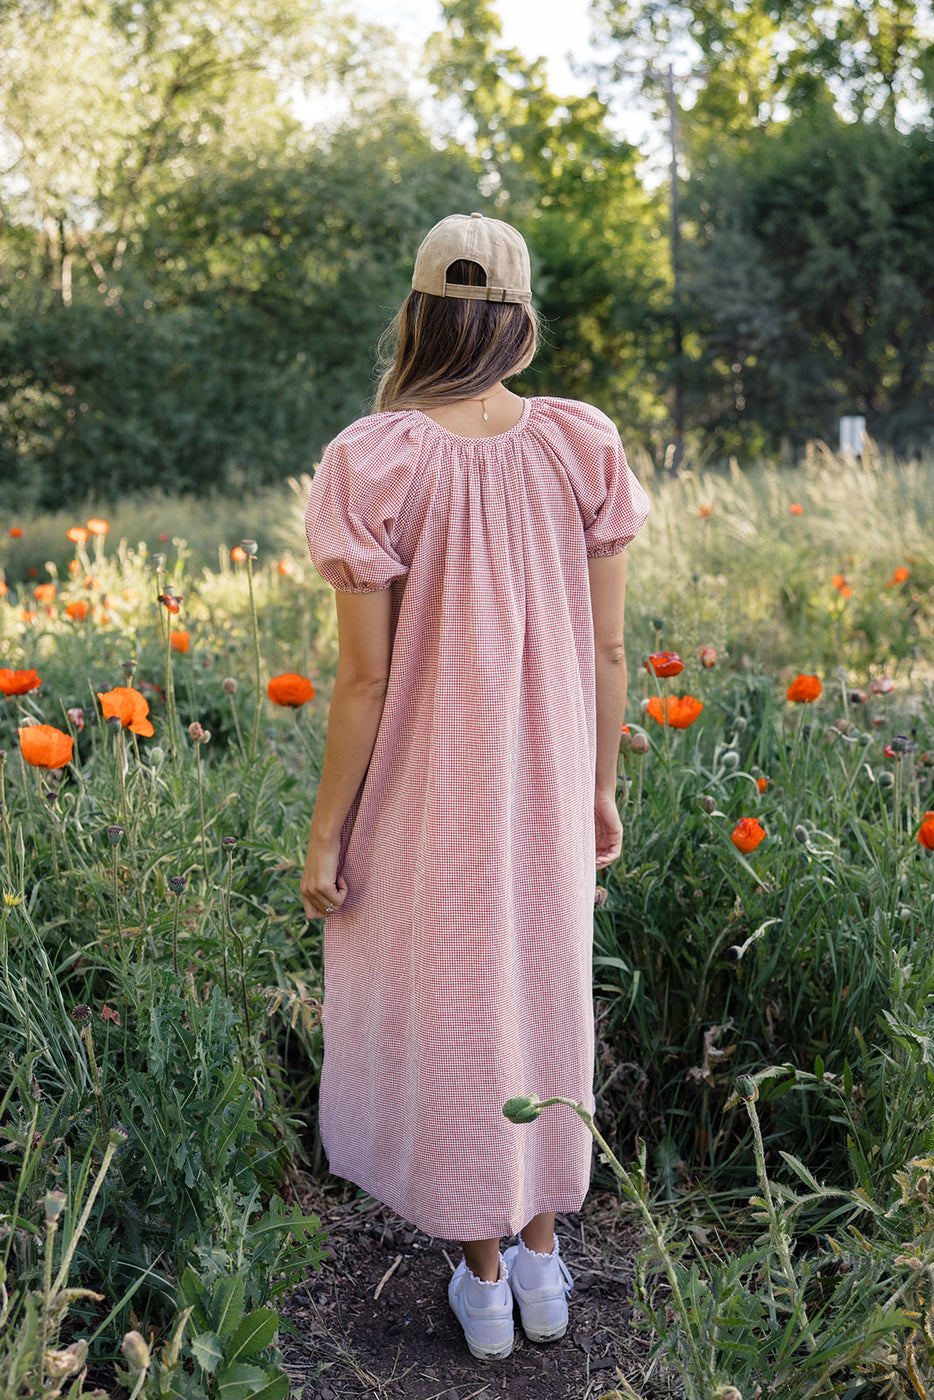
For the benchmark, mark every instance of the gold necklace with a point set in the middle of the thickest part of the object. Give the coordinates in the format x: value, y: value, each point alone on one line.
x: 483, y: 398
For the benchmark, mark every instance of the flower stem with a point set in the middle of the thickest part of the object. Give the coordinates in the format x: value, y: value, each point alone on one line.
x: 85, y: 1217
x: 257, y: 664
x: 88, y: 1039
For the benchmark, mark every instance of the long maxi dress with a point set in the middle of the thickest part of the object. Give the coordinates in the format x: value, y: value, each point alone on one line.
x: 458, y: 969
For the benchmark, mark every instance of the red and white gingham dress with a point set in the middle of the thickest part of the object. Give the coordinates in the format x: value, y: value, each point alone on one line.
x: 458, y: 970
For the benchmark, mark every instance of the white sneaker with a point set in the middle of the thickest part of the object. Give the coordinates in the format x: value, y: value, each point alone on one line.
x: 484, y: 1310
x: 540, y: 1284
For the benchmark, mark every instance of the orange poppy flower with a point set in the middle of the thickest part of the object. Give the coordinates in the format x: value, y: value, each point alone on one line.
x: 131, y: 595
x: 77, y: 534
x: 44, y: 746
x: 29, y: 615
x: 762, y: 784
x: 238, y: 554
x: 18, y: 682
x: 180, y: 641
x: 286, y: 567
x: 665, y: 663
x: 804, y: 689
x: 705, y: 510
x: 78, y: 610
x: 883, y: 686
x: 89, y: 581
x: 16, y: 532
x: 899, y: 576
x: 708, y: 657
x: 74, y: 565
x: 677, y: 711
x: 3, y: 588
x: 926, y: 834
x: 170, y: 602
x: 130, y: 708
x: 746, y: 834
x: 838, y: 580
x: 98, y: 527
x: 44, y: 592
x: 796, y: 508
x: 290, y: 689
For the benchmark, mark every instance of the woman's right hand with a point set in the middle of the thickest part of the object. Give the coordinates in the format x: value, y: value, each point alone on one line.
x: 609, y: 829
x: 323, y: 890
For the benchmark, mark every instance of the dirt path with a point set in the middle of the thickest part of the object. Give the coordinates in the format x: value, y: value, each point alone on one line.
x: 375, y: 1321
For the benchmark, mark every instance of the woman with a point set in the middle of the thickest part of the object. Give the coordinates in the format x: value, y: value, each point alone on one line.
x: 475, y: 540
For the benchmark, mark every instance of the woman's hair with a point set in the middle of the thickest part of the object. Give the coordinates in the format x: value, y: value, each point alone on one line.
x: 440, y: 349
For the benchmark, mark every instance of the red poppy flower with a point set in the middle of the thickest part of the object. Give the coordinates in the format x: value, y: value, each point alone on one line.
x: 98, y: 527
x: 44, y: 592
x: 899, y: 576
x: 665, y: 663
x: 708, y: 657
x: 796, y: 508
x: 77, y: 534
x: 762, y: 784
x: 18, y: 682
x: 804, y: 689
x: 290, y: 689
x: 44, y: 746
x: 746, y: 834
x: 180, y: 641
x: 170, y: 602
x: 238, y: 554
x: 163, y: 538
x: 926, y: 833
x: 78, y: 610
x: 129, y: 707
x: 16, y: 532
x: 677, y: 711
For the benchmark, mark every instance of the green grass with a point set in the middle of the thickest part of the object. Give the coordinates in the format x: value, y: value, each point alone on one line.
x: 806, y: 964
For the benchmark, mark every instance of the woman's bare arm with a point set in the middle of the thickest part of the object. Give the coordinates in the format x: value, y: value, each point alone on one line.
x: 364, y: 628
x: 608, y: 603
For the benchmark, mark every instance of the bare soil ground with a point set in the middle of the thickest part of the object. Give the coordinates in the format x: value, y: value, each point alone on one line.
x: 375, y: 1321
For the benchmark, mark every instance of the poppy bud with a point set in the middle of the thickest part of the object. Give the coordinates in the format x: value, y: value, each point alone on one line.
x: 177, y: 884
x: 128, y: 668
x: 55, y: 1202
x: 747, y: 1088
x: 118, y: 1135
x: 640, y: 744
x: 136, y: 1352
x: 740, y: 724
x: 658, y: 623
x: 228, y: 842
x: 801, y: 835
x: 885, y: 780
x: 229, y: 685
x: 709, y: 804
x: 733, y: 954
x: 599, y: 897
x: 524, y: 1108
x: 195, y: 731
x: 730, y: 759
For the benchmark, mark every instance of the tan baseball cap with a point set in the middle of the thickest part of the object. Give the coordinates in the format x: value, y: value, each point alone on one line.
x: 497, y: 247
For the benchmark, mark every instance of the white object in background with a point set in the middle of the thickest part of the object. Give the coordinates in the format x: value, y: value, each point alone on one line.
x: 852, y: 432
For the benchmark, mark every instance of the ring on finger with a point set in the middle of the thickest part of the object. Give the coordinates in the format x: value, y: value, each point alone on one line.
x: 329, y: 908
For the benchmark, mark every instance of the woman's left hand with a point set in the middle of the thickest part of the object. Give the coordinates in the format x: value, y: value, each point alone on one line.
x: 323, y: 890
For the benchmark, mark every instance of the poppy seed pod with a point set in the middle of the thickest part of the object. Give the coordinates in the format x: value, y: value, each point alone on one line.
x: 177, y: 884
x: 249, y: 548
x: 115, y: 834
x: 228, y: 842
x: 81, y: 1014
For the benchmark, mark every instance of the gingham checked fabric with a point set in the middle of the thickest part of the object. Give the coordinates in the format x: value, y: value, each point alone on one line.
x: 458, y: 970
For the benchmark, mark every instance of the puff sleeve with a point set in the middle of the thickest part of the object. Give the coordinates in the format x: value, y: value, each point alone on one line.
x: 354, y: 504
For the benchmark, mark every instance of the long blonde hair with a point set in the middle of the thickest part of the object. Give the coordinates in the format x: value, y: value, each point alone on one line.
x: 441, y: 349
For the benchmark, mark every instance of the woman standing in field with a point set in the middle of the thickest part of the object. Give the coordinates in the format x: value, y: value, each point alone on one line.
x: 476, y: 543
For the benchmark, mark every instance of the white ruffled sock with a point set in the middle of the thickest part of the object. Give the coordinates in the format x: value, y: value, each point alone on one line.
x: 485, y: 1293
x: 534, y: 1269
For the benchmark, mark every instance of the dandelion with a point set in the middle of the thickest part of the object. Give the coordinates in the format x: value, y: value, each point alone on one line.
x: 926, y: 832
x: 746, y: 834
x: 78, y: 610
x: 796, y: 508
x: 665, y: 663
x: 129, y: 707
x: 899, y: 576
x: 180, y: 641
x: 97, y: 527
x: 44, y: 592
x: 677, y: 711
x: 290, y: 689
x: 238, y: 554
x: 18, y: 682
x: 708, y: 657
x: 804, y: 689
x: 44, y: 746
